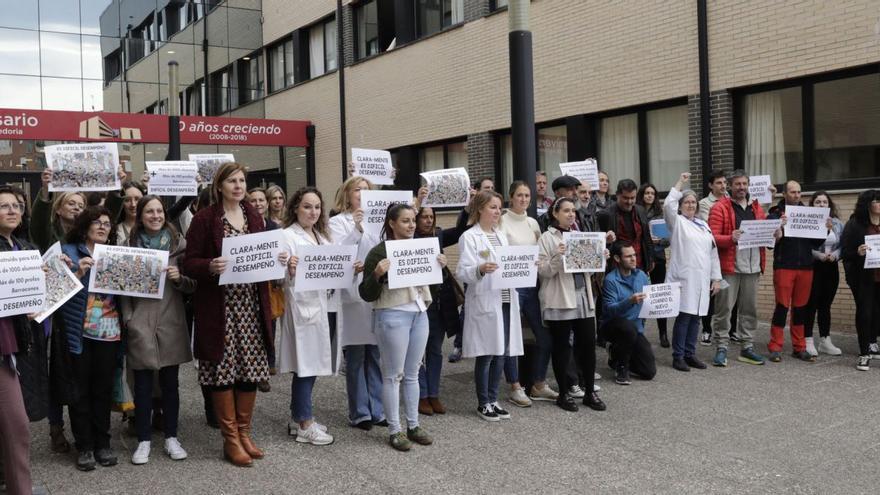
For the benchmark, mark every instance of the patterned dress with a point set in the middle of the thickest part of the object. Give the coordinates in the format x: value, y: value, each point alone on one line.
x: 244, y: 354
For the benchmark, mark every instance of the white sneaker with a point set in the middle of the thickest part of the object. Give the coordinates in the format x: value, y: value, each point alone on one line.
x: 811, y: 347
x: 313, y: 435
x: 597, y: 376
x: 142, y: 454
x: 827, y: 347
x: 546, y: 393
x: 519, y: 398
x: 596, y: 388
x: 293, y: 427
x: 576, y: 392
x: 874, y: 350
x: 174, y: 450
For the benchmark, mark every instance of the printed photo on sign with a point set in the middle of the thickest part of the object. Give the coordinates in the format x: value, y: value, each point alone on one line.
x: 759, y: 188
x: 375, y: 205
x: 61, y: 283
x: 659, y: 229
x: 585, y: 171
x: 872, y: 255
x: 448, y: 187
x: 253, y: 258
x: 758, y: 233
x: 373, y: 165
x: 22, y: 283
x: 209, y: 163
x: 806, y: 222
x: 413, y: 262
x: 173, y: 178
x: 517, y: 267
x: 324, y: 267
x: 584, y: 252
x: 128, y: 271
x: 83, y: 167
x: 661, y: 301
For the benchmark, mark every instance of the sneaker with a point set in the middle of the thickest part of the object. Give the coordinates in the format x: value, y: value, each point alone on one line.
x: 174, y: 450
x: 293, y: 427
x: 804, y: 356
x: 827, y: 347
x: 705, y: 338
x: 398, y: 441
x: 735, y: 338
x: 106, y: 457
x: 811, y: 347
x: 544, y: 393
x: 874, y: 350
x: 622, y: 376
x: 85, y: 461
x: 776, y: 356
x: 565, y: 402
x: 141, y: 454
x: 487, y: 413
x: 576, y: 391
x: 749, y: 356
x: 864, y: 363
x: 596, y: 388
x: 597, y: 376
x: 419, y: 436
x: 694, y: 362
x: 519, y: 398
x: 455, y: 355
x: 720, y: 359
x: 680, y: 365
x: 313, y: 435
x: 594, y: 402
x: 502, y: 414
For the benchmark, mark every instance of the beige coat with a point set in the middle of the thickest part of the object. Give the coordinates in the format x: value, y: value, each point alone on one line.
x: 156, y: 331
x: 557, y: 287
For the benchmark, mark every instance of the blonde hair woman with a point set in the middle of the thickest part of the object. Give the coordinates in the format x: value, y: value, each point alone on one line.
x: 276, y: 197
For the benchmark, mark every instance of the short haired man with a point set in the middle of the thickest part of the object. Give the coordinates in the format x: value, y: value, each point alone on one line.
x: 566, y: 186
x: 542, y: 200
x: 717, y: 182
x: 629, y: 222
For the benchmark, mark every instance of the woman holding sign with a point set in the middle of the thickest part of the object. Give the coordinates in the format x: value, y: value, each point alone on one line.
x: 647, y: 198
x: 826, y: 279
x: 693, y: 263
x: 132, y: 193
x: 863, y: 282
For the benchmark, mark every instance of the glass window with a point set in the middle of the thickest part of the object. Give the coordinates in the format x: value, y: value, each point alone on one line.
x: 316, y: 50
x: 18, y: 14
x: 434, y: 15
x: 19, y: 91
x: 847, y: 127
x: 19, y: 51
x: 668, y: 150
x: 221, y: 91
x: 456, y: 155
x: 60, y: 55
x: 552, y: 150
x: 367, y: 30
x: 431, y: 158
x: 58, y: 15
x: 288, y: 63
x: 92, y: 63
x: 97, y: 13
x: 506, y: 144
x: 330, y: 45
x: 619, y: 147
x: 250, y: 78
x: 773, y: 134
x: 276, y: 67
x: 500, y: 3
x: 62, y: 94
x: 93, y: 95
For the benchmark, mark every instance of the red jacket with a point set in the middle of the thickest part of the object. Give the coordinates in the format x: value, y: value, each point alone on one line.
x: 722, y: 221
x: 204, y: 241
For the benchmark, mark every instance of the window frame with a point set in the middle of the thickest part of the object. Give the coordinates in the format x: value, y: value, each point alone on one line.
x: 358, y: 10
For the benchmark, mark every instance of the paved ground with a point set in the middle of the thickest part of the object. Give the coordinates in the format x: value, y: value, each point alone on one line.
x: 791, y: 427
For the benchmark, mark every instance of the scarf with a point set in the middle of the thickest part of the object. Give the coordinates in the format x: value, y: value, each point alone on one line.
x: 160, y: 240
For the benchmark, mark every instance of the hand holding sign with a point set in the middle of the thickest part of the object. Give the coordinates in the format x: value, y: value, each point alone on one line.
x: 373, y: 165
x: 413, y: 262
x: 807, y: 222
x: 871, y: 251
x: 324, y: 267
x: 661, y: 301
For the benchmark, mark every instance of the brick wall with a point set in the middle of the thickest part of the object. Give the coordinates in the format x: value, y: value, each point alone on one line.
x: 481, y: 155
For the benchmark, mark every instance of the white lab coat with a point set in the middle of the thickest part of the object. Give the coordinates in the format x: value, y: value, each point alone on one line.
x: 693, y: 258
x: 483, y: 332
x: 306, y: 348
x: 354, y: 321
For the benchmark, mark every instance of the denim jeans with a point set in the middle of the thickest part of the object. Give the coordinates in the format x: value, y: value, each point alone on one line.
x: 488, y: 369
x: 301, y: 397
x: 684, y: 335
x: 363, y: 382
x: 429, y: 374
x: 530, y: 307
x: 143, y: 401
x: 401, y: 336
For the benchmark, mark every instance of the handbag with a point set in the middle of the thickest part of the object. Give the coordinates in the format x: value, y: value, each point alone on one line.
x: 456, y: 287
x: 276, y: 301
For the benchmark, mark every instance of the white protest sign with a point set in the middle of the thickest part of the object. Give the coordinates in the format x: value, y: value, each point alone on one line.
x: 128, y: 271
x: 22, y: 283
x: 758, y: 233
x: 872, y: 256
x: 173, y: 178
x: 324, y: 267
x: 806, y: 221
x: 661, y: 301
x: 253, y: 258
x: 375, y: 205
x: 447, y: 187
x: 209, y: 163
x: 759, y: 188
x: 413, y: 262
x: 61, y: 283
x: 584, y: 252
x: 585, y: 171
x: 83, y: 167
x: 517, y: 267
x: 373, y: 165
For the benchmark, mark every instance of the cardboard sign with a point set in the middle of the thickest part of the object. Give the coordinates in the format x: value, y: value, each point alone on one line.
x: 128, y: 271
x: 585, y: 171
x: 659, y: 228
x: 661, y: 301
x: 373, y: 165
x: 759, y: 188
x: 253, y: 258
x: 173, y: 178
x: 61, y: 283
x: 209, y: 163
x: 584, y: 252
x: 806, y: 221
x: 758, y: 233
x: 872, y: 256
x: 413, y: 262
x: 324, y: 267
x: 517, y: 267
x: 22, y: 283
x: 83, y: 167
x: 447, y: 187
x: 375, y: 204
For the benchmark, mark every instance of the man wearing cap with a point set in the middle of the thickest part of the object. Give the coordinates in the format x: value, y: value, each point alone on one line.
x: 566, y: 186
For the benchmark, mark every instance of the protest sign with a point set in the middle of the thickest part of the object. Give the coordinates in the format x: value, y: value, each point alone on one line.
x: 61, y: 283
x: 324, y: 267
x: 128, y: 271
x: 759, y: 188
x: 661, y: 301
x: 447, y: 187
x: 373, y: 165
x: 584, y: 252
x: 806, y: 221
x: 872, y: 256
x: 22, y: 283
x: 375, y: 204
x: 758, y: 233
x: 659, y: 228
x: 253, y: 257
x: 83, y: 167
x: 208, y: 164
x: 517, y: 267
x: 585, y: 171
x: 413, y: 262
x: 173, y: 178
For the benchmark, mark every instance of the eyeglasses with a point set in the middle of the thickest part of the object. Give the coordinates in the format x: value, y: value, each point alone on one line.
x: 98, y: 223
x: 11, y: 207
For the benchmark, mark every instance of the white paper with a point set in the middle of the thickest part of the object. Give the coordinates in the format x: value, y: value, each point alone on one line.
x: 447, y: 187
x: 759, y: 188
x: 661, y: 301
x: 585, y: 171
x: 413, y: 262
x: 758, y: 233
x: 61, y: 283
x: 584, y: 252
x: 173, y: 178
x: 83, y: 167
x: 806, y: 221
x: 517, y: 267
x: 375, y: 205
x: 872, y: 256
x: 324, y: 267
x: 209, y: 163
x: 22, y: 283
x: 373, y: 165
x: 253, y: 257
x: 128, y: 271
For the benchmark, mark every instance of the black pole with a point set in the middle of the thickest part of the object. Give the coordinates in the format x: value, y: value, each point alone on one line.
x: 340, y: 64
x: 173, y: 113
x: 522, y: 98
x: 705, y: 116
x: 311, y: 179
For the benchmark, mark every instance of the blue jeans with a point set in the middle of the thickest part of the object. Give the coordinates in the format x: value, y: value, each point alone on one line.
x: 530, y: 307
x: 487, y: 369
x: 301, y: 397
x: 684, y: 335
x: 429, y: 374
x: 363, y: 382
x: 401, y: 336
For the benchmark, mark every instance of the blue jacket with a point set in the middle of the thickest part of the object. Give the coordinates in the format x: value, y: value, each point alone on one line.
x: 72, y: 314
x: 616, y: 293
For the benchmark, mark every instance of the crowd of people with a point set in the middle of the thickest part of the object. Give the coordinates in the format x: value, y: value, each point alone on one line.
x: 388, y: 342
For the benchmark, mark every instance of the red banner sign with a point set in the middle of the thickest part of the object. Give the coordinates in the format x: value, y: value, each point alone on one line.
x: 54, y: 125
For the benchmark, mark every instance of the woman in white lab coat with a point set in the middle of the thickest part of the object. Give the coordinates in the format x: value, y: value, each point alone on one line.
x: 694, y: 264
x: 491, y: 334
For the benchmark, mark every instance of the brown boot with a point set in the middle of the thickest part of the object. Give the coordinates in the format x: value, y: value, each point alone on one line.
x: 224, y: 410
x: 436, y: 405
x: 425, y: 407
x: 244, y: 411
x: 57, y: 441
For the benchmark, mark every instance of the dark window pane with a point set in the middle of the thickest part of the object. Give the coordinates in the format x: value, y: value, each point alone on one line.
x: 773, y: 134
x: 367, y: 30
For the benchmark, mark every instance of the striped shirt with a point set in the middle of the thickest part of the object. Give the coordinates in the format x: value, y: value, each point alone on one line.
x: 505, y: 293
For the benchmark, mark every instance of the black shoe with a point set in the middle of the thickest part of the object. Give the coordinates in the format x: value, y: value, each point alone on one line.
x: 85, y: 461
x: 693, y: 362
x: 383, y: 423
x: 705, y: 338
x: 804, y: 356
x: 593, y: 401
x: 264, y: 386
x: 365, y: 425
x: 565, y: 402
x: 105, y: 457
x: 680, y: 365
x: 735, y: 338
x: 664, y: 340
x: 601, y: 343
x: 621, y: 377
x: 501, y: 412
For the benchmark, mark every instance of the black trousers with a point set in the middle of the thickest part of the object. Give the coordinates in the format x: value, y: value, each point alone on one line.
x: 826, y: 279
x: 143, y: 401
x: 867, y: 296
x: 629, y: 347
x: 584, y: 331
x: 658, y: 276
x: 90, y: 415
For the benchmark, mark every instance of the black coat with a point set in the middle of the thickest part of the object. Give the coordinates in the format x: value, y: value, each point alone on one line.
x: 607, y: 220
x: 794, y: 253
x: 444, y: 302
